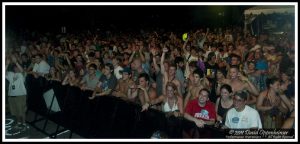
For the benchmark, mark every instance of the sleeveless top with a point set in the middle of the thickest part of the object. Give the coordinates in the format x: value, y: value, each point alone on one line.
x: 222, y: 111
x: 267, y: 102
x: 167, y: 108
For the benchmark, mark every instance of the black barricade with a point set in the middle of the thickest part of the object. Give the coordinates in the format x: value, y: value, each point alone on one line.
x: 106, y: 116
x: 35, y: 89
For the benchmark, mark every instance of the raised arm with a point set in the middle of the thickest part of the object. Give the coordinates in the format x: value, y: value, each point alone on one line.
x: 249, y: 86
x: 68, y: 60
x: 65, y: 81
x: 7, y: 62
x: 142, y: 54
x: 162, y: 60
x: 154, y: 53
x: 259, y: 103
x: 131, y: 57
x: 184, y: 45
x: 13, y: 58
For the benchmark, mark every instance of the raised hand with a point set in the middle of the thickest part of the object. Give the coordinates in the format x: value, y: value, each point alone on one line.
x: 140, y: 87
x: 13, y: 58
x: 145, y: 107
x: 243, y: 78
x: 165, y: 50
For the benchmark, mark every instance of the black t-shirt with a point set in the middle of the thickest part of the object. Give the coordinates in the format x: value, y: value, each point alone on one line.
x: 210, y: 70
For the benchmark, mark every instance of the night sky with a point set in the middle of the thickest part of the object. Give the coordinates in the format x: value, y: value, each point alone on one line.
x: 79, y: 17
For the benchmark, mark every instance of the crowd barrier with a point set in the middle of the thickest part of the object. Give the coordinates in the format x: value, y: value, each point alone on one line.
x: 102, y: 117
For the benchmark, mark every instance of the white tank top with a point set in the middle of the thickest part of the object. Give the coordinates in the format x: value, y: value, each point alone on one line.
x: 167, y: 108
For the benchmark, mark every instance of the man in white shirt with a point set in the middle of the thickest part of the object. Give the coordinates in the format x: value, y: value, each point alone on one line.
x: 117, y: 67
x: 242, y: 116
x: 41, y: 67
x: 16, y: 93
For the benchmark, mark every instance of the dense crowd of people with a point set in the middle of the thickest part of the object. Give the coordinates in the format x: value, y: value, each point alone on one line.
x: 224, y: 77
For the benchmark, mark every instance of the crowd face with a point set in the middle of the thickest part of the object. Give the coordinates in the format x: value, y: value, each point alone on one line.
x: 75, y: 53
x: 181, y: 64
x: 170, y: 91
x: 213, y: 59
x: 234, y: 61
x: 172, y: 71
x: 72, y: 73
x: 52, y: 70
x: 203, y: 97
x: 115, y: 62
x: 257, y: 54
x: 92, y: 70
x: 175, y: 52
x: 284, y: 77
x: 142, y: 82
x: 81, y: 72
x: 213, y: 48
x: 166, y: 65
x: 125, y: 76
x: 251, y: 66
x: 193, y: 52
x: 196, y: 78
x: 233, y: 72
x: 38, y: 59
x: 275, y: 86
x: 105, y: 55
x: 230, y: 48
x: 239, y: 103
x: 225, y: 93
x: 137, y: 64
x: 106, y: 71
x: 220, y: 75
x: 24, y: 58
x: 79, y: 58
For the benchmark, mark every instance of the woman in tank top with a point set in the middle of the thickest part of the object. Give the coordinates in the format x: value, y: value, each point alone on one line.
x: 171, y: 101
x: 273, y: 104
x: 224, y: 102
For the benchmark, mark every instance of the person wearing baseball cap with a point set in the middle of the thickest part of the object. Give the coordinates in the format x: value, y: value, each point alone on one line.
x: 124, y: 83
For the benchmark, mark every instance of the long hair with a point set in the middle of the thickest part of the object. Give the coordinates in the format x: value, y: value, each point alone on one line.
x: 171, y: 84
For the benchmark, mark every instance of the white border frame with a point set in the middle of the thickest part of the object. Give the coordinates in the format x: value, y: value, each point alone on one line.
x: 153, y: 4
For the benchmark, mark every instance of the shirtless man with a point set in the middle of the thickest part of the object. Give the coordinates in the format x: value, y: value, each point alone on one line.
x: 143, y: 92
x: 169, y: 72
x: 238, y: 82
x: 123, y: 84
x: 199, y: 83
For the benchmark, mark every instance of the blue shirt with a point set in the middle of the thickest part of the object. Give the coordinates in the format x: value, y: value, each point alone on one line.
x: 261, y: 64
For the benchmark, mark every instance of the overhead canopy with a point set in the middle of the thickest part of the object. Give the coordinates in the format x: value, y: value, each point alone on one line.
x: 270, y: 9
x: 252, y: 13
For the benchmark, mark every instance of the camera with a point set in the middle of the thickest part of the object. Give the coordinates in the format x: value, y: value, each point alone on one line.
x: 219, y: 124
x: 13, y: 87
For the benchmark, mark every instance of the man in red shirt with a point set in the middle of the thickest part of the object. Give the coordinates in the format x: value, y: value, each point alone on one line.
x: 200, y: 110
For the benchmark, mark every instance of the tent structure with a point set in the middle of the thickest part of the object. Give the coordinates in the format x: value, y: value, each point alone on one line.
x: 252, y: 13
x: 269, y: 10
